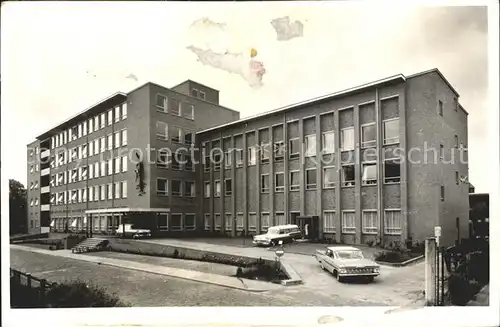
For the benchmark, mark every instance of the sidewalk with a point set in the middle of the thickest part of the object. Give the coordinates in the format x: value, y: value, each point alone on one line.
x: 225, y: 281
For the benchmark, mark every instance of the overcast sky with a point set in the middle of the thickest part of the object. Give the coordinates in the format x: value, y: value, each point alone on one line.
x: 59, y: 58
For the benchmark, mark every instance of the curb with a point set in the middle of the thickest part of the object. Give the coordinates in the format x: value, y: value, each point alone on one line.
x: 401, y: 264
x: 294, y: 278
x: 81, y: 257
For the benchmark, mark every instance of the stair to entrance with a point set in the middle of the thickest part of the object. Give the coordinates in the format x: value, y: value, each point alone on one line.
x: 90, y: 245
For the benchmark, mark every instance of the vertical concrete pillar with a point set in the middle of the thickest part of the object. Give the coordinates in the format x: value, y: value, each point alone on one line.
x: 358, y: 174
x: 338, y: 165
x: 272, y: 185
x: 404, y: 165
x: 285, y: 170
x: 319, y: 180
x: 257, y: 179
x: 430, y: 271
x: 232, y: 146
x: 302, y: 167
x: 222, y: 177
x: 245, y: 180
x: 380, y: 169
x: 212, y: 187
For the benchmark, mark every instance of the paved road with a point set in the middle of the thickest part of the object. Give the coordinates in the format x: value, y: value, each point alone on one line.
x: 396, y: 286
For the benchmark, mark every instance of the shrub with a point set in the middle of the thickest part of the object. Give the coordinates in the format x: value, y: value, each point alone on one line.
x: 80, y: 294
x: 461, y: 291
x: 391, y: 256
x: 261, y: 270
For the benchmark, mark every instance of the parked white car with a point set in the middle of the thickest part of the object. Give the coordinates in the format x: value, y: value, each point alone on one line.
x: 347, y: 261
x: 285, y: 233
x: 131, y: 231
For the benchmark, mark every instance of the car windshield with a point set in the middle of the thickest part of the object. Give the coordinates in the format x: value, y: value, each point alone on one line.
x: 350, y: 254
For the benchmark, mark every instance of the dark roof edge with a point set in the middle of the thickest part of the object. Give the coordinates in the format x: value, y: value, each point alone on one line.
x: 310, y: 101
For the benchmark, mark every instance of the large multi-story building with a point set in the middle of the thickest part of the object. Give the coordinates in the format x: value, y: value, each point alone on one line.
x: 107, y: 162
x: 376, y: 163
x: 369, y: 164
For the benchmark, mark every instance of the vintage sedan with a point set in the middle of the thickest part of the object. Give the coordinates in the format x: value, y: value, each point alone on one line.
x: 130, y: 230
x: 347, y: 261
x: 284, y: 233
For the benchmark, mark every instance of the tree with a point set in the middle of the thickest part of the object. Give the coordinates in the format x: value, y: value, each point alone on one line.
x: 18, y: 204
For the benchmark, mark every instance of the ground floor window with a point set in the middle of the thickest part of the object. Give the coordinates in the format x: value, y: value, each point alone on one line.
x: 190, y: 221
x: 264, y: 221
x: 176, y: 221
x: 348, y: 222
x: 370, y: 222
x: 329, y: 221
x: 96, y: 223
x: 280, y: 218
x: 239, y: 221
x: 163, y: 221
x: 207, y: 221
x: 228, y: 224
x: 217, y: 221
x: 252, y: 221
x: 392, y: 221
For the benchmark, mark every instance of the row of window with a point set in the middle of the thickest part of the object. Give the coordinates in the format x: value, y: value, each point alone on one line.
x: 198, y: 94
x: 174, y: 106
x: 98, y: 169
x: 177, y: 135
x: 92, y: 148
x: 441, y: 106
x: 165, y: 159
x: 178, y: 188
x: 392, y: 221
x: 92, y: 125
x: 102, y: 192
x: 34, y: 201
x: 36, y: 225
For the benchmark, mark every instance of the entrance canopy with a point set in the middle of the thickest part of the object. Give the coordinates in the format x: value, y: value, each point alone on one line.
x: 121, y: 210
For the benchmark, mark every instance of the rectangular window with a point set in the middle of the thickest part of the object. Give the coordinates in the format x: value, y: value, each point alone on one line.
x: 102, y: 191
x: 176, y: 187
x: 96, y: 146
x: 188, y: 163
x: 124, y: 110
x: 117, y: 190
x: 91, y: 194
x: 294, y: 148
x: 310, y: 145
x: 279, y: 217
x: 279, y: 151
x: 124, y: 137
x: 102, y: 140
x: 252, y: 221
x: 294, y: 180
x: 117, y: 165
x: 163, y: 221
x: 264, y: 183
x: 96, y: 123
x: 457, y: 178
x: 176, y: 221
x: 206, y: 189
x: 162, y: 186
x: 440, y: 108
x: 348, y: 177
x: 329, y: 177
x: 264, y: 221
x: 279, y: 182
x: 239, y: 221
x: 84, y: 124
x: 370, y: 222
x: 441, y: 152
x: 311, y: 180
x: 174, y: 107
x: 110, y: 167
x: 347, y: 139
x: 369, y: 173
x: 110, y: 141
x: 96, y: 170
x: 110, y: 117
x: 124, y: 189
x: 368, y: 135
x: 103, y: 120
x: 162, y: 159
x: 228, y: 159
x: 217, y: 188
x: 392, y: 222
x: 217, y: 160
x: 80, y: 130
x: 217, y: 221
x: 189, y: 221
x: 175, y: 164
x: 161, y: 103
x: 328, y: 142
x: 442, y: 192
x: 264, y: 153
x: 117, y: 114
x: 110, y: 191
x: 91, y: 171
x: 188, y: 110
x: 161, y: 130
x: 252, y: 155
x: 228, y: 221
x: 176, y: 134
x: 391, y: 131
x: 228, y: 187
x: 117, y: 140
x: 239, y: 157
x: 202, y: 95
x: 91, y: 148
x: 329, y: 221
x: 392, y: 171
x: 208, y: 218
x: 206, y: 164
x: 188, y: 138
x: 455, y: 102
x: 348, y: 222
x: 194, y: 92
x: 189, y: 189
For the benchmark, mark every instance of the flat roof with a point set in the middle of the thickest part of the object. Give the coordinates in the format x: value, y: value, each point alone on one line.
x: 97, y: 108
x: 330, y: 96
